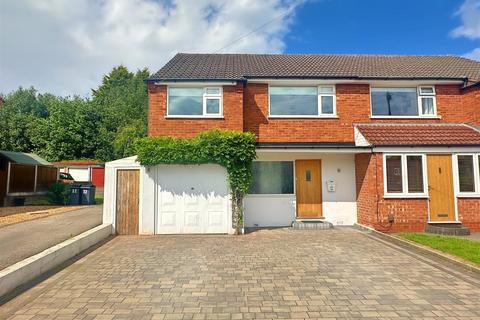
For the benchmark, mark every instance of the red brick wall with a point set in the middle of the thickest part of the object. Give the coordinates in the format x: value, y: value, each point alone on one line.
x: 353, y: 105
x: 471, y: 102
x: 158, y: 125
x: 469, y: 212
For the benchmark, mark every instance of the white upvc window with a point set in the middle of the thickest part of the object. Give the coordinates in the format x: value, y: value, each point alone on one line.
x: 406, y: 102
x: 196, y: 102
x: 427, y: 103
x: 302, y: 101
x: 404, y: 175
x: 467, y: 172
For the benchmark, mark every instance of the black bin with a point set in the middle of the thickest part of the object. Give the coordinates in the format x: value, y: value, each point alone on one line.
x: 74, y: 195
x: 87, y: 194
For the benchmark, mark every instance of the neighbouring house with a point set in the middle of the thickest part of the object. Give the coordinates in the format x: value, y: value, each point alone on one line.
x: 390, y: 142
x: 24, y: 176
x: 84, y: 170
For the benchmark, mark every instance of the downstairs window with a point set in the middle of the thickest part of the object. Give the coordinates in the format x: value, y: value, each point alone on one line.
x: 404, y: 175
x: 272, y: 177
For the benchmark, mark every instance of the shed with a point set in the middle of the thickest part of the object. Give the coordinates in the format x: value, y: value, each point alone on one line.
x: 24, y: 175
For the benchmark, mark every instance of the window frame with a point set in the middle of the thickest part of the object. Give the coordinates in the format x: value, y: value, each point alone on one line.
x: 476, y: 175
x: 277, y: 194
x: 420, y: 95
x: 319, y: 98
x: 405, y: 193
x: 205, y: 96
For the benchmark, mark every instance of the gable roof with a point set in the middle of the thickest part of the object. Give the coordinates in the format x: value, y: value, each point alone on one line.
x: 25, y: 158
x: 233, y: 67
x: 439, y: 134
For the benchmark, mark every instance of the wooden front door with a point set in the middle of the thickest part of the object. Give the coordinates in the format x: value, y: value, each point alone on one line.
x: 308, y: 176
x: 440, y: 188
x: 128, y: 195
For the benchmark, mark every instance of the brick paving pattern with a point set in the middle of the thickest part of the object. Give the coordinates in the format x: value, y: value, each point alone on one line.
x: 269, y: 274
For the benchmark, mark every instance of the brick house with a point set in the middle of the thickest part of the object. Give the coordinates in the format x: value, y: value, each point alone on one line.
x: 385, y: 141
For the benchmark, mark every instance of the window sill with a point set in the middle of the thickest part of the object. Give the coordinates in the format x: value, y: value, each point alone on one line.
x: 406, y: 117
x: 194, y: 117
x: 473, y: 195
x: 303, y: 117
x: 405, y: 196
x: 272, y: 195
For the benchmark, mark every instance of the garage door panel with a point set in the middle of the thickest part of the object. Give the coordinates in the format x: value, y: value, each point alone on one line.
x: 197, y: 194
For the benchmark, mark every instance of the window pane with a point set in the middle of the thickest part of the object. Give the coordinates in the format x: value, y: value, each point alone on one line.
x: 213, y: 106
x: 427, y: 106
x: 213, y: 91
x: 272, y: 177
x: 327, y: 104
x: 327, y: 89
x: 415, y: 174
x: 394, y: 102
x: 293, y: 101
x: 394, y: 174
x: 465, y: 174
x: 426, y: 90
x: 185, y: 101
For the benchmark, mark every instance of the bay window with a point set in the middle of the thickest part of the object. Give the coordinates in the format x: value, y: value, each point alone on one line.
x: 194, y: 102
x: 404, y: 175
x: 403, y: 102
x: 312, y: 101
x: 272, y: 177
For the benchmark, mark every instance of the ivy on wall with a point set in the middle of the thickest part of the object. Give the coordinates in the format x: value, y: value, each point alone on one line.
x: 231, y: 149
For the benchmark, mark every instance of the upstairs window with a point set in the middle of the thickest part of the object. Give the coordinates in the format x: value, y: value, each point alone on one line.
x: 302, y: 101
x: 195, y: 102
x: 404, y: 102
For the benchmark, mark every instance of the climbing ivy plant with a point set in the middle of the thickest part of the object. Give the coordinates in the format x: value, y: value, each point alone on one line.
x: 231, y: 149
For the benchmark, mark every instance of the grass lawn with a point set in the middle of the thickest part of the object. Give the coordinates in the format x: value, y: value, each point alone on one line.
x: 463, y: 248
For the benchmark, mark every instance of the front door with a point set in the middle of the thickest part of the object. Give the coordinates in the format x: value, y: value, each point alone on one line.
x: 309, y: 188
x: 440, y: 188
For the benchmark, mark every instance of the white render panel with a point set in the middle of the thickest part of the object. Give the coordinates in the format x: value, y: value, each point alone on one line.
x: 269, y: 210
x: 339, y: 206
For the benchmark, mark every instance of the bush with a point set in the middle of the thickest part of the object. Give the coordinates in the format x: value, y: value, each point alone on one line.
x: 59, y: 193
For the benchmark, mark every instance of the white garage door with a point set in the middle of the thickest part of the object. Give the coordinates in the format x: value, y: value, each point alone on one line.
x: 192, y: 199
x: 80, y: 174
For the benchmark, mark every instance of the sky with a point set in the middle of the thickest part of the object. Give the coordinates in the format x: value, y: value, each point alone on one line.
x: 65, y: 49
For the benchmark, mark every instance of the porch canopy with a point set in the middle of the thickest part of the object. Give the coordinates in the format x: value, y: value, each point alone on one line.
x: 412, y: 135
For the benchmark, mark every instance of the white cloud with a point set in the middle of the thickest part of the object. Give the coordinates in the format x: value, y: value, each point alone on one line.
x: 469, y: 13
x: 65, y: 47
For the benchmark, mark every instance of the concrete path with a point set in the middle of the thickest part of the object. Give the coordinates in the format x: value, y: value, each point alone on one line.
x: 269, y: 274
x: 24, y: 239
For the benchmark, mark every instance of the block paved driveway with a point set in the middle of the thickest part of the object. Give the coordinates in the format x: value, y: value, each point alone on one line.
x: 267, y: 274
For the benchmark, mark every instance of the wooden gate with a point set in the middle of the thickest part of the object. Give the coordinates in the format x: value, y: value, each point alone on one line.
x: 128, y: 198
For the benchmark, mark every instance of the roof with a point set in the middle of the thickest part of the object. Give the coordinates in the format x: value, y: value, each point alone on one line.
x: 184, y: 67
x: 85, y: 162
x: 25, y: 158
x: 445, y: 134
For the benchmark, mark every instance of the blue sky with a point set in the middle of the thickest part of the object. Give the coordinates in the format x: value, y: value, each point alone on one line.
x: 375, y: 26
x: 65, y: 49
